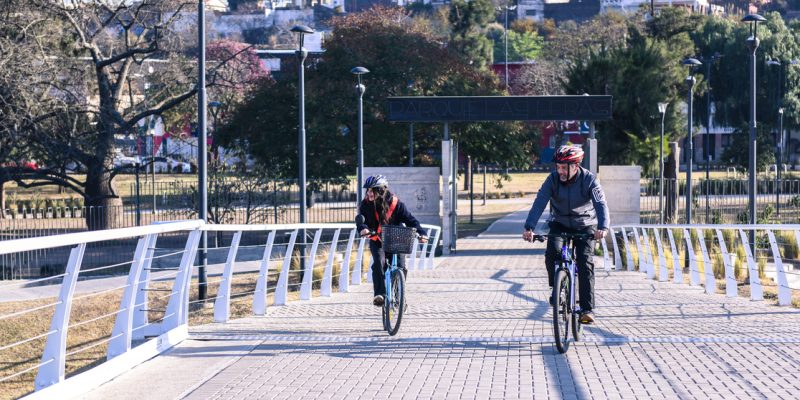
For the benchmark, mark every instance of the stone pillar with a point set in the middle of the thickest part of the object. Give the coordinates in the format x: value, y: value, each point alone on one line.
x: 621, y: 185
x: 590, y: 155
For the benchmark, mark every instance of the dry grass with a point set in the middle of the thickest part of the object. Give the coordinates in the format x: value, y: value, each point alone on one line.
x: 27, y: 355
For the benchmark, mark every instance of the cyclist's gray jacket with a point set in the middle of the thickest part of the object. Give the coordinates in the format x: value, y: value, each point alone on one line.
x: 577, y: 204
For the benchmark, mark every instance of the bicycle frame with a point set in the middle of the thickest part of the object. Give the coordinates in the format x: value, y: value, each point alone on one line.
x: 568, y: 263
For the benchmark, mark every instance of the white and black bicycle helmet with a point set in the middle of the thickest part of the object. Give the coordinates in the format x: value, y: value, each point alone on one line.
x: 376, y: 181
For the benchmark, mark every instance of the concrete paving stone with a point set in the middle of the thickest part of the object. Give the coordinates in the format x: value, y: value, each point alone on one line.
x: 480, y: 327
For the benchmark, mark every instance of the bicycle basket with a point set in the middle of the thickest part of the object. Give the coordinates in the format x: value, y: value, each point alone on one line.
x: 398, y: 239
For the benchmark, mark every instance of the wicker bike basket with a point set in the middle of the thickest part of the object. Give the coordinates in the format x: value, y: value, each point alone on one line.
x: 398, y: 239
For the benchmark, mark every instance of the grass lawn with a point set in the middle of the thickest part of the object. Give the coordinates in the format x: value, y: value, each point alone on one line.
x: 484, y: 215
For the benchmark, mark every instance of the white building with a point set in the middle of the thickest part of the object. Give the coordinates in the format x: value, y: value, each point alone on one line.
x: 631, y: 6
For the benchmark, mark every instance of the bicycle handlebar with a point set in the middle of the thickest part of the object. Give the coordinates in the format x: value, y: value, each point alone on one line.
x: 360, y: 221
x: 564, y: 235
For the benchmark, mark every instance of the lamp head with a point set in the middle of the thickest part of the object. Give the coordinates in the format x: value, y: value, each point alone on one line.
x: 302, y: 30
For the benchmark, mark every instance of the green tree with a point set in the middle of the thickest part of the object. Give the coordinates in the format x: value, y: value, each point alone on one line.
x: 468, y: 20
x: 522, y: 46
x: 405, y: 58
x: 738, y: 154
x: 638, y: 75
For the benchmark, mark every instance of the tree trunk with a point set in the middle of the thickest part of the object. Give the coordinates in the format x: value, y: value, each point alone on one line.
x: 102, y: 210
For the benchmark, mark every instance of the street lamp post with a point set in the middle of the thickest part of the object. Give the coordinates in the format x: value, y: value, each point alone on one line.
x: 752, y: 44
x: 779, y: 164
x: 690, y: 81
x: 507, y: 8
x: 202, y: 149
x: 301, y: 31
x: 662, y: 108
x: 360, y: 88
x: 709, y: 62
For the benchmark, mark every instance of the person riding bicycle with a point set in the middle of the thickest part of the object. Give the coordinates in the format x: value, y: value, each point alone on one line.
x: 577, y: 205
x: 382, y: 207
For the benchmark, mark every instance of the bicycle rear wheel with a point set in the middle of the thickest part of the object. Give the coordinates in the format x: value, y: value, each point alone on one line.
x: 561, y: 311
x: 393, y: 311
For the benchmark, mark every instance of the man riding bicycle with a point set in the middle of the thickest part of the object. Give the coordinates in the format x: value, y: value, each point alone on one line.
x: 577, y: 205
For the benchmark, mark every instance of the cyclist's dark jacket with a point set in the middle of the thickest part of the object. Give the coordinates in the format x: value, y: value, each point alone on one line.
x: 399, y: 216
x: 573, y: 203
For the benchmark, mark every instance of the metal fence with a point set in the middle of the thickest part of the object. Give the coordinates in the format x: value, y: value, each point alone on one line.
x: 721, y: 201
x: 273, y: 203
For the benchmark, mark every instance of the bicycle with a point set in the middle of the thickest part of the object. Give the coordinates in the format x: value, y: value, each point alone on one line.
x: 566, y: 309
x: 395, y: 240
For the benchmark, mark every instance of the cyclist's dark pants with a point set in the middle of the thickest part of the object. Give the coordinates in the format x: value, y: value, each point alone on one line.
x: 380, y: 262
x: 584, y: 257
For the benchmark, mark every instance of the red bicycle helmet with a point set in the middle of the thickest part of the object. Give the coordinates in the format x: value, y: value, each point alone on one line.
x: 568, y: 155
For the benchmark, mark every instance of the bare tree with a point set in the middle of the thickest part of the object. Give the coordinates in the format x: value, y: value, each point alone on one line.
x: 76, y: 84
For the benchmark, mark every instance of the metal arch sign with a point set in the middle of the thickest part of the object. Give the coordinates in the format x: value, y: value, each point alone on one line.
x: 499, y: 108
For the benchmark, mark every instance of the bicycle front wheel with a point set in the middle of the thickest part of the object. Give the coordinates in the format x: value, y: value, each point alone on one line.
x: 577, y: 326
x: 393, y: 310
x: 561, y: 311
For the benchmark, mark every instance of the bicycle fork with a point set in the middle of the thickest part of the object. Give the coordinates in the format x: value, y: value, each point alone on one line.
x: 387, y: 277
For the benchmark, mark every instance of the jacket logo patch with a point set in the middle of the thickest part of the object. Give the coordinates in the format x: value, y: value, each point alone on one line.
x: 598, y: 195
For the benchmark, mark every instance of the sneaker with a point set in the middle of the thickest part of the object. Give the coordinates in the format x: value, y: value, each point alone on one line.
x: 587, y: 317
x: 377, y: 300
x: 552, y: 300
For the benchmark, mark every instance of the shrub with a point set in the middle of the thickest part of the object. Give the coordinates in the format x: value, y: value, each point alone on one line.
x: 790, y: 248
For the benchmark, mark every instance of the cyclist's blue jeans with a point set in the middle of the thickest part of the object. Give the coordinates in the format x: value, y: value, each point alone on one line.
x: 584, y: 259
x: 380, y: 261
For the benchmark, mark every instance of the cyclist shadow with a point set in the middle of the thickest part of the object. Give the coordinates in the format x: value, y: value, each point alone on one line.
x: 541, y: 309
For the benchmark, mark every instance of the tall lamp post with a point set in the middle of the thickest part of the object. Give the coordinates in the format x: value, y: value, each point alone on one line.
x: 202, y: 146
x: 707, y: 148
x: 301, y: 31
x: 752, y: 44
x: 507, y: 8
x: 690, y: 81
x: 662, y: 108
x: 360, y: 88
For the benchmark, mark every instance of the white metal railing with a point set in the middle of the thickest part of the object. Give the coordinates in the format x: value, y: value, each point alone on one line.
x: 133, y: 323
x: 724, y: 252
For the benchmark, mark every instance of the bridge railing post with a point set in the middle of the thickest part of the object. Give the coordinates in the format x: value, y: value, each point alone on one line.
x: 327, y: 274
x: 283, y: 280
x: 344, y: 273
x: 121, y: 335
x: 260, y: 295
x: 54, y: 357
x: 308, y: 273
x: 222, y: 304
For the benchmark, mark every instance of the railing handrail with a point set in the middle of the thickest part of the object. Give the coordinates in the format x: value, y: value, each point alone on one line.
x: 132, y: 321
x: 784, y: 227
x: 71, y: 239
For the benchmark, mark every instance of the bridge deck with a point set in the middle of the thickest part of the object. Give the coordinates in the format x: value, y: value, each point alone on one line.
x: 478, y: 326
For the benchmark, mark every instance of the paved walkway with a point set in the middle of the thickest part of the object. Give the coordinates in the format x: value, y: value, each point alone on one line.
x: 479, y: 327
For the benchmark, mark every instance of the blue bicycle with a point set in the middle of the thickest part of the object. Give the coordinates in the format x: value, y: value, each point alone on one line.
x: 396, y: 240
x: 566, y: 308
